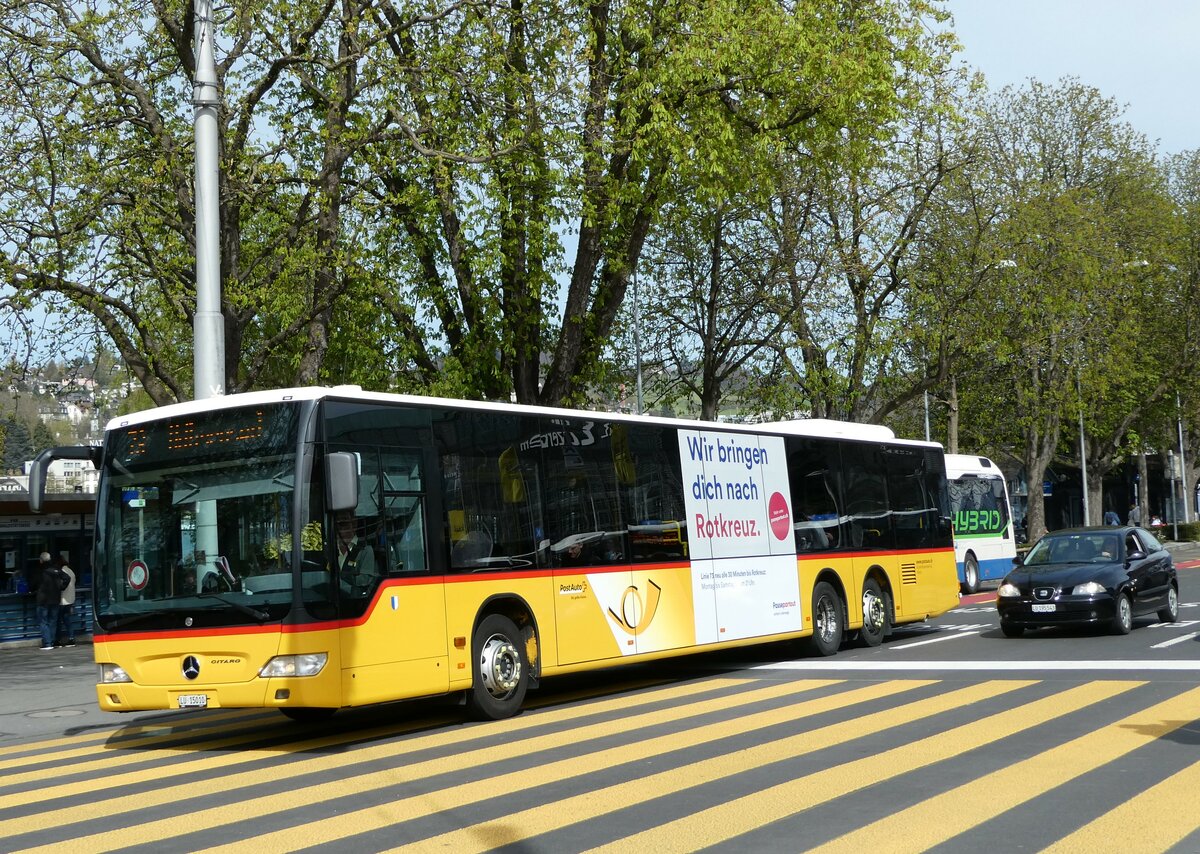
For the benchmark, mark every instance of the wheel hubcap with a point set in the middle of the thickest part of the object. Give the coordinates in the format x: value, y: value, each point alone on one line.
x: 826, y: 619
x: 500, y: 666
x: 873, y: 611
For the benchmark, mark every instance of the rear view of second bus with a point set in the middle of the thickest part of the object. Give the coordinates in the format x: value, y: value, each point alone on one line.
x: 984, y: 539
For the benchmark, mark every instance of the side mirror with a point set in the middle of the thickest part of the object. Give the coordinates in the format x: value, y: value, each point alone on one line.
x: 1137, y: 554
x: 341, y: 481
x: 1018, y: 561
x: 41, y: 465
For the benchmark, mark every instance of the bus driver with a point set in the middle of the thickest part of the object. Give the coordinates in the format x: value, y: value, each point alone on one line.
x: 356, y: 560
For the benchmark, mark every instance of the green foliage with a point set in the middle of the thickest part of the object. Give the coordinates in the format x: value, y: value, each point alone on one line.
x: 18, y: 446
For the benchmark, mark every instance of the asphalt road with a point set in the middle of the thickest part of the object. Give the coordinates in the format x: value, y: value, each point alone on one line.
x: 949, y: 736
x: 53, y: 692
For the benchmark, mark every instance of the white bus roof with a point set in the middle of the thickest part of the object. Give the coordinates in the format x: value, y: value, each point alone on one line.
x: 958, y: 465
x: 820, y: 427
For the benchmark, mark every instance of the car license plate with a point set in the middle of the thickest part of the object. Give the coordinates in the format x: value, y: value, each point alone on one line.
x: 193, y: 701
x: 1042, y: 609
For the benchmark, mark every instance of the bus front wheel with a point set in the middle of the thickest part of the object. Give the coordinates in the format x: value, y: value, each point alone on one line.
x: 501, y: 671
x: 970, y: 574
x: 828, y: 623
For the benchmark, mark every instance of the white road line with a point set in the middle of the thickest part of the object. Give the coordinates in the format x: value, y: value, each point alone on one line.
x: 1174, y: 641
x: 825, y: 664
x: 954, y: 636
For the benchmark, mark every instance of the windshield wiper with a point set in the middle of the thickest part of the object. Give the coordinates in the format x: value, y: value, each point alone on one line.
x: 254, y: 613
x: 131, y: 619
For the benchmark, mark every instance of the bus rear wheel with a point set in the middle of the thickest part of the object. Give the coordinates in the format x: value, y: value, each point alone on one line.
x: 876, y: 614
x: 501, y: 671
x: 970, y: 574
x: 828, y: 623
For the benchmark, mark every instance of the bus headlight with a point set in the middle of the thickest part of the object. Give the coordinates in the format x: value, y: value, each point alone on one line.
x: 308, y: 664
x: 110, y: 673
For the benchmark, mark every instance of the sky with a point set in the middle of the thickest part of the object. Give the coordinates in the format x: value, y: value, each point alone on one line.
x: 1144, y: 54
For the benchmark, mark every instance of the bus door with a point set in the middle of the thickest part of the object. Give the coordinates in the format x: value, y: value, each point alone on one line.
x: 393, y: 607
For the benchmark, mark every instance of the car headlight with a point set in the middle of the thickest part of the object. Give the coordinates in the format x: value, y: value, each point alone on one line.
x: 1008, y: 589
x: 1091, y: 588
x: 307, y: 664
x: 110, y: 673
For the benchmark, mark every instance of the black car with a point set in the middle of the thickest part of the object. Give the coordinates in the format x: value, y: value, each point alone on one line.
x: 1089, y: 576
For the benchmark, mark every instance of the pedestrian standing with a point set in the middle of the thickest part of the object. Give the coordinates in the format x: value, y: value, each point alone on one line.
x: 49, y: 599
x: 66, y: 630
x: 1135, y: 514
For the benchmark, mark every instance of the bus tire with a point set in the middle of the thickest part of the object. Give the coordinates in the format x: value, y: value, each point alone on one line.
x: 501, y: 671
x: 828, y: 619
x: 970, y: 574
x: 876, y: 614
x: 307, y: 715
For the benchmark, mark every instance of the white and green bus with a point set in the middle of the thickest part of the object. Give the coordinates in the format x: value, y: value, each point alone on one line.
x: 984, y: 538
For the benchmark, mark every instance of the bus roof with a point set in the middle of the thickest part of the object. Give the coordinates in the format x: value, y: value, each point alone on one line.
x: 958, y: 465
x: 819, y: 427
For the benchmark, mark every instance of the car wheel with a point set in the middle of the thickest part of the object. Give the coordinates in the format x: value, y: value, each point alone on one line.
x: 1170, y: 613
x: 501, y: 671
x: 1011, y: 631
x: 1123, y: 619
x: 827, y: 619
x: 876, y: 616
x: 970, y: 575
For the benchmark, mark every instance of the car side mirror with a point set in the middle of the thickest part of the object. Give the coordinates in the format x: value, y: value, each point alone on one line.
x: 1137, y: 554
x: 1018, y: 561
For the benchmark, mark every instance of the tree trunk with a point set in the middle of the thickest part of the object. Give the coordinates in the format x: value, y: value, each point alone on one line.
x: 1095, y: 493
x: 1143, y: 501
x: 952, y: 420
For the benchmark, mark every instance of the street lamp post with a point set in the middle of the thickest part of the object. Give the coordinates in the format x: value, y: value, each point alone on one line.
x: 208, y: 329
x: 637, y: 340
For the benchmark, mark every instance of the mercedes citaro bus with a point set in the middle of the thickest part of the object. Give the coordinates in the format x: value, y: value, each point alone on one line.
x: 313, y: 549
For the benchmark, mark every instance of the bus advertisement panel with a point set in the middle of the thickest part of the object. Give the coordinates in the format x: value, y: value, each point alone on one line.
x: 743, y: 553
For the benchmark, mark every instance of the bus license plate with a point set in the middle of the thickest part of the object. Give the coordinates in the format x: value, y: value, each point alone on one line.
x: 193, y: 701
x: 1042, y: 609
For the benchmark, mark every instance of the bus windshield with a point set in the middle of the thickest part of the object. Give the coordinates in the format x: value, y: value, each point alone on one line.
x: 197, y: 521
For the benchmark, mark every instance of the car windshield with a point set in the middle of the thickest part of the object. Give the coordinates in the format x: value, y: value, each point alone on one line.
x: 1099, y: 547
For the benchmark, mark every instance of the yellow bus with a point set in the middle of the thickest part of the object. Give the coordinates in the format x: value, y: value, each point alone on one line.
x: 314, y: 549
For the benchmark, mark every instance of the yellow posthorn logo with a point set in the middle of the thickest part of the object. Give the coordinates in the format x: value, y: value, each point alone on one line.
x: 636, y: 616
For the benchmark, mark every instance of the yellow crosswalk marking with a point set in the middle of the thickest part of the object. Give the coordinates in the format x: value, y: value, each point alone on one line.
x: 550, y: 773
x: 185, y: 773
x: 731, y: 819
x: 59, y: 749
x: 543, y: 819
x: 937, y: 819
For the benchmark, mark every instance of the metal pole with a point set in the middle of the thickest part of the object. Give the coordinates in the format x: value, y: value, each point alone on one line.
x: 1082, y: 447
x: 927, y: 416
x: 1187, y: 513
x: 208, y: 328
x: 637, y: 340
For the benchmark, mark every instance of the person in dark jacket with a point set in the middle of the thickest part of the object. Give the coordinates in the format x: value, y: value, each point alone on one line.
x: 49, y: 600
